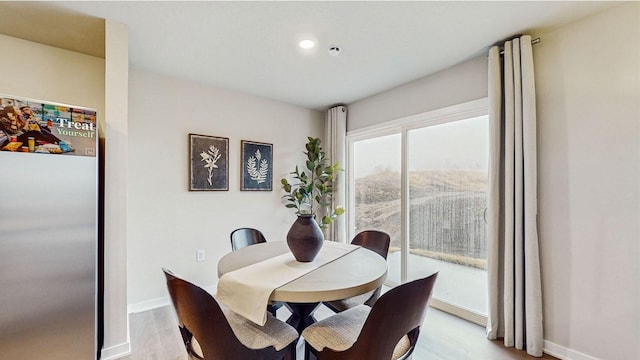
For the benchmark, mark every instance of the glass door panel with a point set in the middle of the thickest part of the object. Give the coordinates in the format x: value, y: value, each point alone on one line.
x: 447, y: 166
x: 376, y: 166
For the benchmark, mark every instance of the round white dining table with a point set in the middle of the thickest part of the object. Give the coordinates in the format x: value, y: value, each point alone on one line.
x: 355, y: 273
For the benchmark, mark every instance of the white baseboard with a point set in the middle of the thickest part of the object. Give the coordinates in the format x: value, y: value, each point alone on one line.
x: 115, y: 352
x: 564, y: 353
x: 148, y: 305
x: 158, y: 302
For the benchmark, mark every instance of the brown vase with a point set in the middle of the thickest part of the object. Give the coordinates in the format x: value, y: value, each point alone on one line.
x: 305, y: 238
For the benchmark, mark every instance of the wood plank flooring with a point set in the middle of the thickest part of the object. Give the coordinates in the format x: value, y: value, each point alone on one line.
x: 155, y: 336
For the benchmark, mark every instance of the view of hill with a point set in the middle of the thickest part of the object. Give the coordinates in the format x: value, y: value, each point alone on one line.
x: 446, y: 212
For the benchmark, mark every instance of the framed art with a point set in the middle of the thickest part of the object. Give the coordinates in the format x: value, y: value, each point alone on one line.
x: 209, y: 163
x: 256, y: 166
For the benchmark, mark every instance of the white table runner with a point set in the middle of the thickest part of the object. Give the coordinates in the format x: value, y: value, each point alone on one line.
x: 246, y: 291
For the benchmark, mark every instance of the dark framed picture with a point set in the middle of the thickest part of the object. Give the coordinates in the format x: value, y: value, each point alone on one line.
x: 209, y: 163
x: 256, y: 166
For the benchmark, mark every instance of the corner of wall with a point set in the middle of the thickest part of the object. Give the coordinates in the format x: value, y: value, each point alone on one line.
x: 116, y: 324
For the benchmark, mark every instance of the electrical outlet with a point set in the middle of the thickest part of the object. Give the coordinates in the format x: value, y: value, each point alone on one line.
x: 200, y: 255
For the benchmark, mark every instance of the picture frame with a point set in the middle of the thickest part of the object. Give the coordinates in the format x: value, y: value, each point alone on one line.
x: 208, y: 163
x: 256, y: 166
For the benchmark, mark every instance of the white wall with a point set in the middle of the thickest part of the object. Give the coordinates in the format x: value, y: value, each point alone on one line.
x: 166, y: 222
x: 457, y: 84
x: 47, y: 73
x: 588, y: 102
x: 588, y: 92
x: 116, y: 324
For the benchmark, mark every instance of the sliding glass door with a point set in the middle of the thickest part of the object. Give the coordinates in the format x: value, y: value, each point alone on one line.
x: 424, y: 182
x: 447, y: 198
x: 376, y: 191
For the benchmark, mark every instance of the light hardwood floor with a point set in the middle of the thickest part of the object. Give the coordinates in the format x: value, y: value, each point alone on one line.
x: 155, y: 336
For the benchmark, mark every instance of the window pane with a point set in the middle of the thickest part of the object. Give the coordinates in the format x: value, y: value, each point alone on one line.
x: 447, y: 195
x: 376, y: 167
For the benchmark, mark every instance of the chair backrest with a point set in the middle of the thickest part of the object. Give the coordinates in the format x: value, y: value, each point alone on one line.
x: 202, y: 315
x: 246, y: 236
x: 398, y: 312
x: 187, y: 336
x: 373, y: 240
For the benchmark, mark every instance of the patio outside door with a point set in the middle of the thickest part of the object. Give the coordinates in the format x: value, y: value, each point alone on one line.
x: 436, y: 220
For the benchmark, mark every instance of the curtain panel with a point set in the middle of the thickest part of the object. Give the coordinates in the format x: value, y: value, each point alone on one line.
x: 513, y: 265
x: 336, y: 145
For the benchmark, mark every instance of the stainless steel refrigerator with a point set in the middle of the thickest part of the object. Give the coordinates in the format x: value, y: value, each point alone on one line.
x: 48, y: 230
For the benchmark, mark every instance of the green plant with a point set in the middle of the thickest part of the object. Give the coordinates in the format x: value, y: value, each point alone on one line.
x: 313, y: 188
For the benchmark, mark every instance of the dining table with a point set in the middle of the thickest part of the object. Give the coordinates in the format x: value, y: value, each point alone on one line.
x: 355, y: 272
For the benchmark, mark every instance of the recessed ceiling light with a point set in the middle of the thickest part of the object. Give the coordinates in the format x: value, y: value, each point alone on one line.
x: 307, y: 44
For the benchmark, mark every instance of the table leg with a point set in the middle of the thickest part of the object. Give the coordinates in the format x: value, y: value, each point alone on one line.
x: 301, y: 316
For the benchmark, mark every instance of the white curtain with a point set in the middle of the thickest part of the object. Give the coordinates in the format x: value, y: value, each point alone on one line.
x: 513, y: 264
x: 336, y: 144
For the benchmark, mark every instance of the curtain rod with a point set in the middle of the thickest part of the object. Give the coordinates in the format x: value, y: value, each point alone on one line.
x: 533, y: 42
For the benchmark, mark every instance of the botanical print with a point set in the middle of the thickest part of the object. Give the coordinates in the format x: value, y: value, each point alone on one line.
x: 208, y: 162
x: 257, y: 166
x: 210, y: 157
x: 259, y: 175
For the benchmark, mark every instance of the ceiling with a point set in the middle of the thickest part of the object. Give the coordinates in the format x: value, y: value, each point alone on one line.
x: 252, y: 46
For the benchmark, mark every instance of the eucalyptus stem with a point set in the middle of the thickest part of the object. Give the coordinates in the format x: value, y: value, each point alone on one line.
x: 315, y: 187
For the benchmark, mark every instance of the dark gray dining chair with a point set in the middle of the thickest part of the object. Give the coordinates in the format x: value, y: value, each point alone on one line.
x: 243, y: 237
x: 187, y: 336
x: 221, y: 333
x: 387, y: 331
x: 378, y: 242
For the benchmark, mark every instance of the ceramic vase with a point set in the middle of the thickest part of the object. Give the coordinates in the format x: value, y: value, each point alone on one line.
x: 305, y: 238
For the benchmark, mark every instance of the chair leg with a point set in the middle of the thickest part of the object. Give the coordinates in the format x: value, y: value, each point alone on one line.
x: 187, y: 337
x: 290, y: 354
x: 308, y: 353
x: 193, y: 353
x: 287, y: 355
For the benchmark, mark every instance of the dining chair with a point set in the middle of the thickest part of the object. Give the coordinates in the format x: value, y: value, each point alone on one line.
x: 387, y: 331
x: 246, y: 236
x: 378, y: 242
x: 221, y: 333
x: 187, y: 336
x: 243, y: 237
